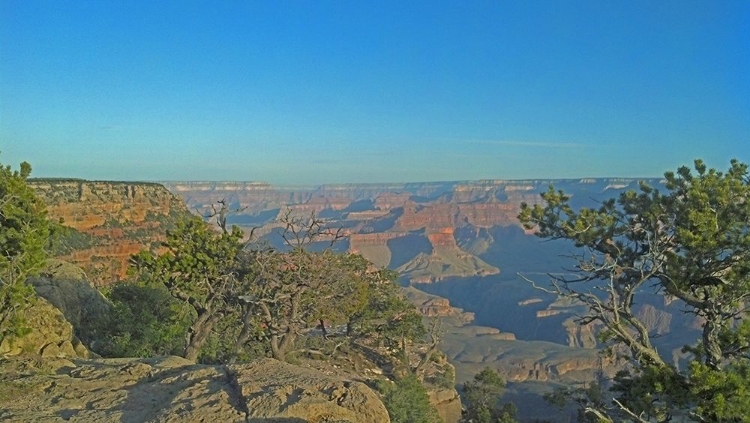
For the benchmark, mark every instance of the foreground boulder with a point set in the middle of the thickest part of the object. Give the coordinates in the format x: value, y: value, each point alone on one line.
x: 172, y: 389
x: 51, y: 335
x: 68, y: 288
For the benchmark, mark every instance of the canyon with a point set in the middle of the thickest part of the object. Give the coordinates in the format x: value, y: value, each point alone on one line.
x: 460, y: 250
x: 457, y: 247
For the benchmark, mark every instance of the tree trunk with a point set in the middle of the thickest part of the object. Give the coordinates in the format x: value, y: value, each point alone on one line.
x: 281, y: 345
x: 323, y: 328
x: 199, y: 332
x: 244, y: 335
x: 425, y: 359
x: 287, y: 341
x: 276, y: 352
x: 711, y: 344
x: 404, y: 354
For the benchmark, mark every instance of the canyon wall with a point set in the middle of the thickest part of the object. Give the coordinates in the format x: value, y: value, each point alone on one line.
x: 110, y: 221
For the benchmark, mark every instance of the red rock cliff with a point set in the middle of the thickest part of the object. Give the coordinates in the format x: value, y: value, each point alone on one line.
x: 120, y: 218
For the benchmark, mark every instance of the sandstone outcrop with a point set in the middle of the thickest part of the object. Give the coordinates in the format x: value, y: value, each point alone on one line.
x: 359, y: 241
x: 85, y: 205
x: 435, y: 217
x: 66, y: 287
x: 434, y: 306
x: 118, y: 219
x: 51, y: 335
x: 171, y: 389
x: 428, y: 205
x: 520, y: 361
x: 444, y: 262
x: 389, y: 200
x: 271, y: 389
x: 447, y: 403
x: 580, y: 335
x: 260, y: 195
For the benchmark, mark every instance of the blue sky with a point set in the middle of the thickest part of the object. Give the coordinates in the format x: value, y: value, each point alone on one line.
x: 323, y: 92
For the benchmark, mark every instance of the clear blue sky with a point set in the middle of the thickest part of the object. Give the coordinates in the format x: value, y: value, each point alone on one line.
x: 307, y: 92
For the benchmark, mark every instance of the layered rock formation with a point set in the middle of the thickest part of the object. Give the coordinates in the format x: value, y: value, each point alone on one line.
x: 471, y: 347
x: 113, y: 219
x: 437, y: 307
x: 376, y: 214
x: 487, y: 202
x: 374, y: 246
x: 454, y: 215
x: 84, y: 205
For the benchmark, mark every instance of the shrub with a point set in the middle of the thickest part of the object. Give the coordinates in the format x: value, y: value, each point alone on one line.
x: 407, y: 401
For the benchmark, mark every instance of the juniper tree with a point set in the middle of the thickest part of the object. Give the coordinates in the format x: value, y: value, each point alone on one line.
x: 199, y: 268
x: 482, y: 397
x: 24, y: 235
x: 691, y: 242
x: 298, y: 289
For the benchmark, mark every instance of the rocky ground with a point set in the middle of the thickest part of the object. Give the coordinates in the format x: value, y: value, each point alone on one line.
x: 50, y: 375
x: 171, y: 389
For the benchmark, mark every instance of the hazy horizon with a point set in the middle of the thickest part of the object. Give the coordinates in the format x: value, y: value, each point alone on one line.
x: 372, y: 183
x: 319, y: 93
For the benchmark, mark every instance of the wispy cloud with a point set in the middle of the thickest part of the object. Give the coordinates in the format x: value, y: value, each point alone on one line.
x: 111, y: 128
x: 537, y: 144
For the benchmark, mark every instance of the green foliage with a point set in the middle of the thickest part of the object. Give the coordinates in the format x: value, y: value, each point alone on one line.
x: 721, y: 395
x: 144, y: 321
x: 24, y: 233
x: 407, y: 401
x: 222, y: 346
x: 297, y: 289
x: 168, y: 221
x: 403, y: 321
x: 691, y: 242
x: 290, y: 292
x: 199, y: 269
x: 65, y: 240
x: 382, y: 311
x: 242, y: 303
x: 446, y: 379
x: 590, y: 396
x: 482, y: 396
x: 355, y: 283
x: 196, y: 259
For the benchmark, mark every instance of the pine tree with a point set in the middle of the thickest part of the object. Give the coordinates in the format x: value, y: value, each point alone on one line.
x: 691, y: 242
x: 24, y: 236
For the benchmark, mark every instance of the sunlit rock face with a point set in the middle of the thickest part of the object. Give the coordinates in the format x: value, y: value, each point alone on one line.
x: 113, y: 220
x: 50, y: 335
x: 172, y: 389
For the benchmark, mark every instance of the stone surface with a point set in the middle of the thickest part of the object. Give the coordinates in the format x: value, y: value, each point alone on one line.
x: 270, y: 388
x: 447, y: 403
x: 51, y: 335
x: 434, y: 306
x: 171, y: 389
x: 66, y: 287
